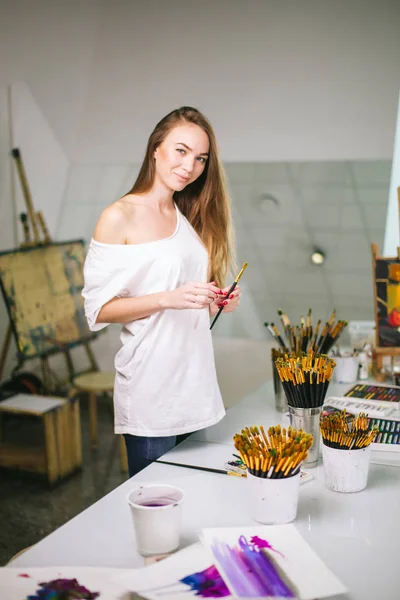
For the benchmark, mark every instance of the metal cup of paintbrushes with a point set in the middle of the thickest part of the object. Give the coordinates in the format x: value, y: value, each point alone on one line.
x: 281, y: 404
x: 305, y: 380
x: 307, y: 419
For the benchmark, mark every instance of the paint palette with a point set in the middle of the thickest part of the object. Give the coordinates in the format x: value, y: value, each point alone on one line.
x: 18, y: 584
x: 354, y: 406
x: 377, y: 393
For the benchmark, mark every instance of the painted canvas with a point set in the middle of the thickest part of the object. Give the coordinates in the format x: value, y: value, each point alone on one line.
x: 269, y: 562
x: 386, y: 273
x: 249, y: 562
x: 42, y: 287
x: 187, y: 574
x: 33, y: 583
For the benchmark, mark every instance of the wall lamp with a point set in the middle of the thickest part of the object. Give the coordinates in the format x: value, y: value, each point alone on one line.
x: 317, y: 256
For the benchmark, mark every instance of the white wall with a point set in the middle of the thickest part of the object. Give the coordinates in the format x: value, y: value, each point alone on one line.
x: 285, y: 80
x: 282, y: 82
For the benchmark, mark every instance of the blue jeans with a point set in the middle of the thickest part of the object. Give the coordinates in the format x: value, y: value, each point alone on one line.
x: 142, y: 451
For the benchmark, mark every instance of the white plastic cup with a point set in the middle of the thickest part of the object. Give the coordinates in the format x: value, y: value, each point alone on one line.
x: 346, y: 370
x: 346, y: 470
x: 156, y: 512
x: 273, y: 501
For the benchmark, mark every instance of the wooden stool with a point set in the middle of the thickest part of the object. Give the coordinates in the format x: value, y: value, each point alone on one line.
x: 98, y: 382
x: 62, y: 452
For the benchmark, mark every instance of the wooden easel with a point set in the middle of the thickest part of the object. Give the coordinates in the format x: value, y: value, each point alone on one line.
x: 35, y: 222
x: 382, y: 351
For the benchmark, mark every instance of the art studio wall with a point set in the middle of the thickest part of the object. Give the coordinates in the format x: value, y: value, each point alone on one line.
x: 303, y: 97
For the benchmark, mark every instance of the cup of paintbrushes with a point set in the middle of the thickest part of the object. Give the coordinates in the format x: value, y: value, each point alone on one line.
x: 307, y: 419
x: 280, y: 397
x: 346, y: 451
x: 305, y: 380
x: 273, y: 463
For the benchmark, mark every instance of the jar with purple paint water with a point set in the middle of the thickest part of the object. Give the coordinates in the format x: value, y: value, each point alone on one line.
x: 156, y: 512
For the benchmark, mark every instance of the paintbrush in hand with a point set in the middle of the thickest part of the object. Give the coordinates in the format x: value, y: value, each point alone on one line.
x: 234, y: 284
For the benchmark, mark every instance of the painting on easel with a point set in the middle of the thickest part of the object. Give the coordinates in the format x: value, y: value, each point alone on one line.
x: 386, y: 273
x: 42, y: 286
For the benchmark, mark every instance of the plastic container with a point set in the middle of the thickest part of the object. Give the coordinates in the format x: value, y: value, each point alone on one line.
x: 156, y: 512
x: 273, y: 501
x: 346, y: 470
x: 346, y: 370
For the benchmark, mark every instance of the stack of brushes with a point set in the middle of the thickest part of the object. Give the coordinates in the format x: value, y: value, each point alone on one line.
x: 276, y: 455
x: 305, y: 379
x: 278, y: 353
x: 301, y: 338
x: 343, y: 434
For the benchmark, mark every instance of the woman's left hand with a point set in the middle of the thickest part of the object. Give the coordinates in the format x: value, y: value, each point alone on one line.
x: 229, y: 304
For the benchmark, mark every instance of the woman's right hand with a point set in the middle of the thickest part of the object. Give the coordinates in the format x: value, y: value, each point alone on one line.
x: 192, y: 295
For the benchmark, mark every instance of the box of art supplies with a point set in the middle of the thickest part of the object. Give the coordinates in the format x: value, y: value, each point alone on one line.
x: 273, y: 461
x: 346, y: 450
x: 387, y: 394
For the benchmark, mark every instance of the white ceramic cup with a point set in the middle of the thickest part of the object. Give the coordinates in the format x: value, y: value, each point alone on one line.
x: 156, y: 512
x: 346, y: 370
x: 273, y: 501
x: 346, y: 470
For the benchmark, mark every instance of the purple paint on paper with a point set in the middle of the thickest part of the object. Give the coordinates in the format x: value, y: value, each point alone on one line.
x: 260, y: 543
x: 207, y: 583
x: 249, y: 569
x: 63, y: 589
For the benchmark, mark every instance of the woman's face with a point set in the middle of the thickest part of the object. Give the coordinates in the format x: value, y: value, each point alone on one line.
x: 182, y: 156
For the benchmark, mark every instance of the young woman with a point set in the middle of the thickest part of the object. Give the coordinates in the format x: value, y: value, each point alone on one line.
x: 157, y: 264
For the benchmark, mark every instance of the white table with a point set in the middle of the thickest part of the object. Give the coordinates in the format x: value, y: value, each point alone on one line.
x: 355, y: 534
x: 211, y: 448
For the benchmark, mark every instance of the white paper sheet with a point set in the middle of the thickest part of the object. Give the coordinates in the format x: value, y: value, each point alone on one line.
x: 163, y: 579
x: 304, y: 569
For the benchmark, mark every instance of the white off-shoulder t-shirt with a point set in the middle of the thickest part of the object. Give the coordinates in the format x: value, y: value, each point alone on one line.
x: 165, y: 381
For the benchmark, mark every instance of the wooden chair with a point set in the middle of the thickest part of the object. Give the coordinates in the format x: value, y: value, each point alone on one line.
x: 95, y: 383
x: 61, y: 452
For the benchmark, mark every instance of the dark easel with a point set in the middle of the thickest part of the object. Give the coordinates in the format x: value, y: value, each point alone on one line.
x: 34, y: 223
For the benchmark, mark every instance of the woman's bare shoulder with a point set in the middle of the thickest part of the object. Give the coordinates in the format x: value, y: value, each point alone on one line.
x: 112, y: 224
x: 118, y: 221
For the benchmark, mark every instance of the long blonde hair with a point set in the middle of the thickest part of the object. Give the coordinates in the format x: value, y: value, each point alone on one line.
x: 205, y: 202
